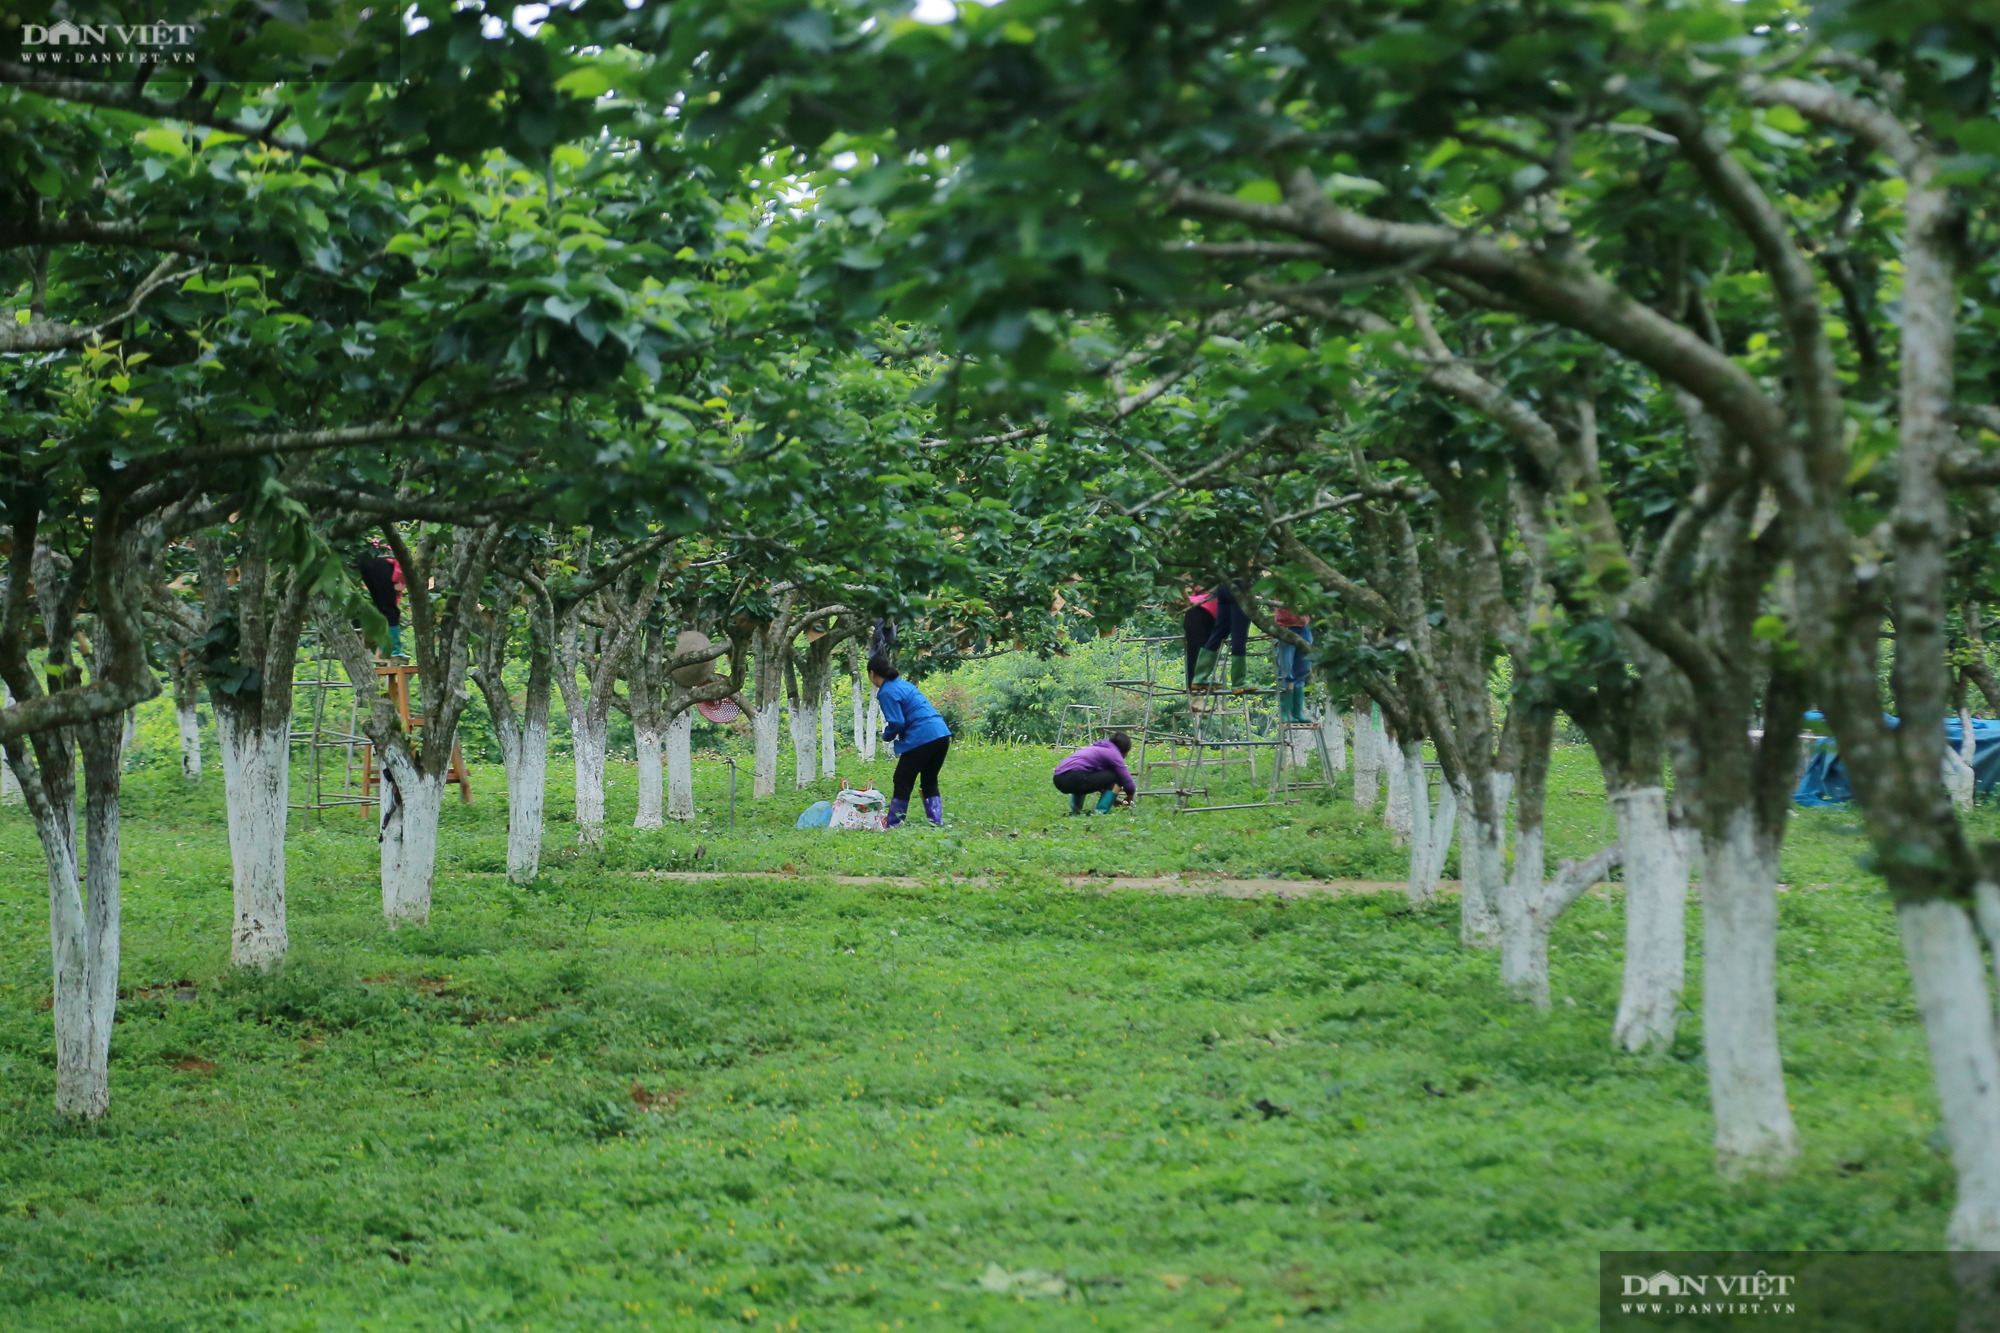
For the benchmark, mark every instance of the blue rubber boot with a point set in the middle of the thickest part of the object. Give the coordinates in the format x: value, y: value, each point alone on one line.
x: 934, y: 810
x: 1106, y: 801
x: 897, y: 809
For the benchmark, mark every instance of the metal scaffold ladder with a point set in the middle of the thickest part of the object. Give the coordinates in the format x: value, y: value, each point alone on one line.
x: 1220, y: 727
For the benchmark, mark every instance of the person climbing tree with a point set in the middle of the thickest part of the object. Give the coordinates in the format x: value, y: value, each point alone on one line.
x: 1196, y: 625
x: 382, y: 575
x: 1232, y: 623
x: 921, y: 738
x: 1294, y: 666
x: 1097, y: 767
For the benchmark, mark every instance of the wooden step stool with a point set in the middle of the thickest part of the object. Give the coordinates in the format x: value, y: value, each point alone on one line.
x: 399, y: 690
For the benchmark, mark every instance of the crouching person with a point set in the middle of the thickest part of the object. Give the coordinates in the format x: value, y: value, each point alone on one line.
x: 1097, y: 767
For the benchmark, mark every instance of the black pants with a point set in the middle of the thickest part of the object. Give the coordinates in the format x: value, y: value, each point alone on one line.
x: 924, y: 761
x: 1195, y: 627
x: 1231, y: 622
x: 1083, y: 784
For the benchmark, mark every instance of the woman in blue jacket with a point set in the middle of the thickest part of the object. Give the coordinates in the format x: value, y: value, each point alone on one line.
x: 921, y: 737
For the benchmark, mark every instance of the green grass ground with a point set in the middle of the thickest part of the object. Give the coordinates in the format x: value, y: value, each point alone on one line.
x: 622, y: 1102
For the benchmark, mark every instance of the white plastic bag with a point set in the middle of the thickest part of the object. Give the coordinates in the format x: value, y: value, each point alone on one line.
x: 860, y: 807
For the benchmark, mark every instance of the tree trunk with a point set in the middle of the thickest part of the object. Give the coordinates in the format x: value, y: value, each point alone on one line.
x: 412, y: 805
x: 1656, y: 880
x: 1398, y: 812
x: 864, y: 738
x: 680, y: 766
x: 1524, y: 931
x: 525, y: 755
x: 1746, y: 1077
x: 1334, y: 733
x: 827, y: 746
x: 1482, y: 865
x: 803, y: 715
x: 1959, y: 777
x: 764, y: 736
x: 256, y: 782
x: 187, y: 695
x: 588, y: 743
x: 1368, y: 755
x: 805, y: 745
x: 652, y: 788
x: 1429, y: 834
x: 84, y: 919
x: 523, y: 735
x: 10, y: 787
x: 1954, y: 998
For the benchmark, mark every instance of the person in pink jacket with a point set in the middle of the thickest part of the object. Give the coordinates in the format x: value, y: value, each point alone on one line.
x: 1097, y: 767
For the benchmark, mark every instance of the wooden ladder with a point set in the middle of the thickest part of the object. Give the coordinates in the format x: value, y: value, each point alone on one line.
x: 399, y: 690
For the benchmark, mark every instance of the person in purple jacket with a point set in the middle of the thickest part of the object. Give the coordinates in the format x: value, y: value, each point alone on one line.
x: 1099, y: 766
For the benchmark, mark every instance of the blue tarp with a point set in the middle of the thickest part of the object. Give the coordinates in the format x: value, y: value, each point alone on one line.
x: 1825, y: 780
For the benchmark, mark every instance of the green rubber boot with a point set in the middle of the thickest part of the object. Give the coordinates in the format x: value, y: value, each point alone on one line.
x: 1076, y: 803
x: 1299, y: 704
x: 1239, y: 667
x: 1106, y: 801
x: 1204, y: 667
x: 1285, y: 705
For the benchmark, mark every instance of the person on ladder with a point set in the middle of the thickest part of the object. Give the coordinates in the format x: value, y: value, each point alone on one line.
x: 1233, y: 624
x: 1197, y: 622
x: 921, y: 737
x: 1097, y: 767
x: 382, y: 575
x: 1294, y: 666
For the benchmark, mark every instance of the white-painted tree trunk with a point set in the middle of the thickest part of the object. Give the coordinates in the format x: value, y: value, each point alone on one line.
x: 764, y: 761
x: 1953, y: 992
x: 864, y: 739
x: 680, y: 766
x: 652, y: 778
x: 1430, y: 832
x: 1531, y: 906
x: 83, y: 942
x: 1398, y: 812
x: 804, y: 721
x: 131, y: 732
x: 10, y: 786
x: 527, y: 792
x: 1656, y: 880
x: 827, y: 747
x: 1524, y: 932
x: 1746, y: 1077
x: 190, y: 722
x: 1334, y: 732
x: 874, y: 728
x: 256, y: 784
x: 1959, y: 778
x: 1482, y: 865
x: 412, y: 806
x: 587, y: 746
x: 1301, y: 743
x: 1371, y: 755
x: 84, y: 911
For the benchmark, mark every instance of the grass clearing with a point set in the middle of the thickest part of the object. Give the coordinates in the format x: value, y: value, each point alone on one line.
x: 621, y: 1102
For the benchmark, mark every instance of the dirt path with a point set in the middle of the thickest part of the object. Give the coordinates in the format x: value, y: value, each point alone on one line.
x: 1169, y: 884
